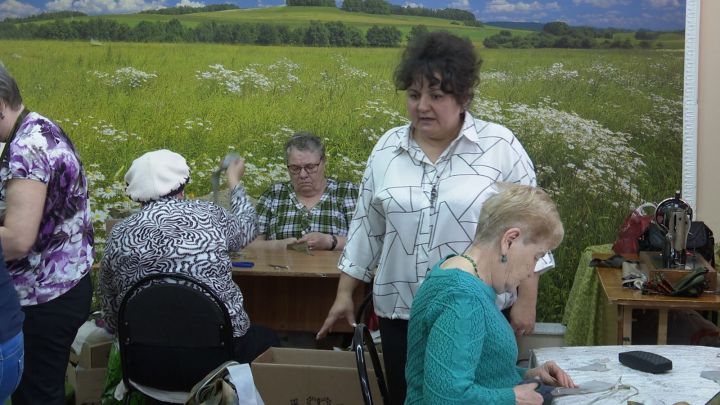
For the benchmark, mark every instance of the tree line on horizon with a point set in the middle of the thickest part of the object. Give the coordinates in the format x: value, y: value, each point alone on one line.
x: 331, y: 34
x: 50, y: 15
x: 359, y: 6
x: 384, y: 7
x: 335, y: 34
x: 558, y: 34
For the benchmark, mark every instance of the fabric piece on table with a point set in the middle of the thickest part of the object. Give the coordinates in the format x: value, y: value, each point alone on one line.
x: 615, y: 262
x: 632, y: 277
x: 597, y: 366
x: 713, y: 375
x: 590, y: 387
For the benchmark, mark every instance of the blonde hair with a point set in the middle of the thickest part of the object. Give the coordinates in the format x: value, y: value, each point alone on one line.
x: 518, y: 206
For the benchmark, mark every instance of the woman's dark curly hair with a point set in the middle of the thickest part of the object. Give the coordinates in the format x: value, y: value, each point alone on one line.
x: 450, y: 56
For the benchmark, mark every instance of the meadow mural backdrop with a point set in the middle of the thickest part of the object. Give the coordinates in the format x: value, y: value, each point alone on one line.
x: 603, y: 126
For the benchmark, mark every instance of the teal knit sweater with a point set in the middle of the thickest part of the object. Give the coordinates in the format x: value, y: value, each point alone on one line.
x: 461, y: 349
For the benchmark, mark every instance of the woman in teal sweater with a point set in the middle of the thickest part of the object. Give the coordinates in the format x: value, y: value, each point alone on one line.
x: 461, y: 349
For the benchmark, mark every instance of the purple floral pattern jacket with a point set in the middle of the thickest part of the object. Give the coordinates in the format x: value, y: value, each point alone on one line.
x: 63, y: 251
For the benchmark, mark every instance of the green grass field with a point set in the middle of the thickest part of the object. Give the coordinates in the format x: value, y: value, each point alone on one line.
x: 604, y: 127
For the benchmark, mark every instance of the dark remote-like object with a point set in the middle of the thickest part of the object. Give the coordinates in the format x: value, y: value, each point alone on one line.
x: 645, y: 361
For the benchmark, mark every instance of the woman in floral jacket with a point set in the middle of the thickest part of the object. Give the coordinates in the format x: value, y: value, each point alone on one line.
x: 47, y: 238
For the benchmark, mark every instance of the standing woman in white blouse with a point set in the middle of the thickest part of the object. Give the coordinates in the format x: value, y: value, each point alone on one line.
x: 421, y: 195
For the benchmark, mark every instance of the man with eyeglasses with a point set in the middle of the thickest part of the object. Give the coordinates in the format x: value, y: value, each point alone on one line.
x: 310, y: 208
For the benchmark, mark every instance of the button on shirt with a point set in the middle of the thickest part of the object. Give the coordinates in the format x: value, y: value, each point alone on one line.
x: 411, y: 212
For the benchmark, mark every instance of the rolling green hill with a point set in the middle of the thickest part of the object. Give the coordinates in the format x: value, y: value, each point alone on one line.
x: 668, y: 40
x: 301, y: 16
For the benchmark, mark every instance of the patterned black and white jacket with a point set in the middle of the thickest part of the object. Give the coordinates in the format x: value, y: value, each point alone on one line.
x: 184, y: 236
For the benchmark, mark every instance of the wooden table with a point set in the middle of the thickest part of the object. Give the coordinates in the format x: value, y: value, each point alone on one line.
x: 628, y: 299
x: 600, y: 363
x: 292, y: 298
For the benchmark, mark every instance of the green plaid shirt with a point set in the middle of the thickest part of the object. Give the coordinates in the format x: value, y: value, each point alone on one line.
x: 281, y: 215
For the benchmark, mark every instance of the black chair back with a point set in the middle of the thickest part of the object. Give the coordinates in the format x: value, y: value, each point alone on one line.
x: 173, y: 330
x: 362, y: 338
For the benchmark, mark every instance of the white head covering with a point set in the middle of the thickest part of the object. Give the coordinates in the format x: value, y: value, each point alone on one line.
x: 155, y: 174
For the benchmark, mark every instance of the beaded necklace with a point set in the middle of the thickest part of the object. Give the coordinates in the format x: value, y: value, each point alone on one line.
x: 474, y: 265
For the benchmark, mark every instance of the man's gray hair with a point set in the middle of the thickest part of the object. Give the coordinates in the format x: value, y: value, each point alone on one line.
x: 304, y: 141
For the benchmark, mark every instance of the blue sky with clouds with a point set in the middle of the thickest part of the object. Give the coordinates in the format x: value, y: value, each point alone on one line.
x: 633, y: 14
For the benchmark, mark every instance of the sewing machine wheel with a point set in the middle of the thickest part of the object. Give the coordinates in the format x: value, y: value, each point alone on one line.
x: 669, y: 204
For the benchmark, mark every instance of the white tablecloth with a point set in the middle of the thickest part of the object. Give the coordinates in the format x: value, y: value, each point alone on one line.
x: 682, y: 383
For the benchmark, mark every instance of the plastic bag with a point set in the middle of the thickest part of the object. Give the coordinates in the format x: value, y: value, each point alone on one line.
x: 632, y: 229
x: 229, y: 384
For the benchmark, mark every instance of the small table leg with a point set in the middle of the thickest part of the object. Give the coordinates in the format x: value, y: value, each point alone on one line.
x: 626, y: 329
x: 662, y: 326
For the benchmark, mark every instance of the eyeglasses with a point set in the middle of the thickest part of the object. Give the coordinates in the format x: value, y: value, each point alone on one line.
x: 311, y: 168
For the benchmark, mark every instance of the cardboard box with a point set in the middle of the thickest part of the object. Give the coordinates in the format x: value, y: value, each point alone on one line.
x: 305, y: 376
x: 92, y: 355
x: 88, y: 383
